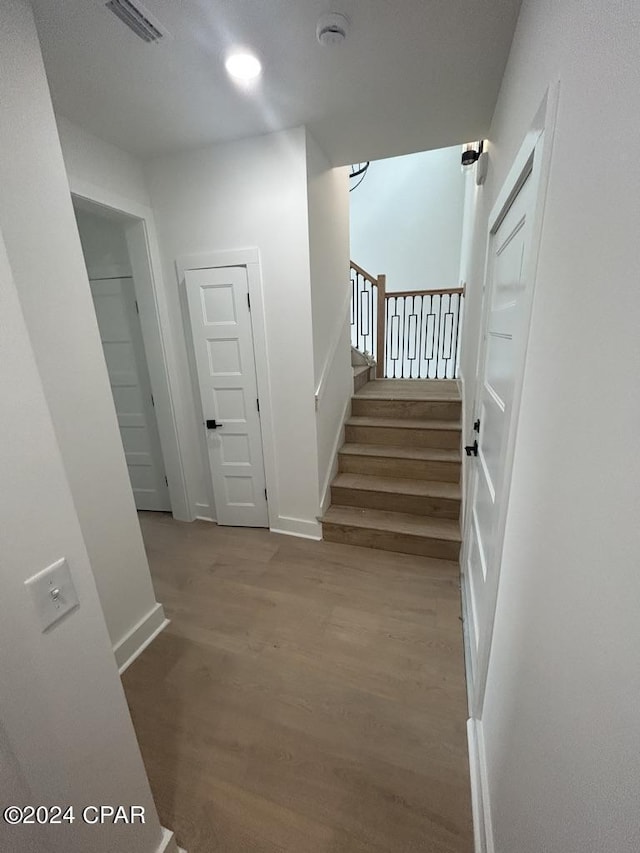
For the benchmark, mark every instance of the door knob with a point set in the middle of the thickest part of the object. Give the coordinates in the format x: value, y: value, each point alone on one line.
x: 213, y: 424
x: 472, y: 449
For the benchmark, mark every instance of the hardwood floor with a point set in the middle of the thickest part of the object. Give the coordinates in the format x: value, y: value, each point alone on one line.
x: 307, y: 696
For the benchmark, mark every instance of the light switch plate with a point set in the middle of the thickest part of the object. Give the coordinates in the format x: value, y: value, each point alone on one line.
x: 53, y: 593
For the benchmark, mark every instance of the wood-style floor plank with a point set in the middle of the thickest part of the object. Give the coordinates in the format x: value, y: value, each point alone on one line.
x: 307, y: 696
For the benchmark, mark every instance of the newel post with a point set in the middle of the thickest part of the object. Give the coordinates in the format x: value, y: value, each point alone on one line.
x: 380, y: 331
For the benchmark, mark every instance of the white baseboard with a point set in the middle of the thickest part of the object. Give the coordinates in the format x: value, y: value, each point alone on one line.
x: 203, y: 513
x: 482, y: 827
x: 140, y: 636
x: 297, y: 527
x: 325, y: 495
x: 168, y: 843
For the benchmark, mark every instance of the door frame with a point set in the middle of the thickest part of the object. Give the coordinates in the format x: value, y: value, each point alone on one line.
x: 250, y: 260
x: 144, y: 251
x: 533, y: 160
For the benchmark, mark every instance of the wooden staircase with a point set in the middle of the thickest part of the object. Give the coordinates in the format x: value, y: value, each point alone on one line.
x: 398, y: 481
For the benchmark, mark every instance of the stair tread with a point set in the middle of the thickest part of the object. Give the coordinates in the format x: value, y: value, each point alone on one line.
x: 397, y: 485
x: 394, y: 522
x: 412, y: 389
x: 403, y: 423
x: 431, y: 454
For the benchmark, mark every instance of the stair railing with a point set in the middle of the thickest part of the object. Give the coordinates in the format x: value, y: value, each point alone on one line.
x: 367, y: 314
x: 412, y: 334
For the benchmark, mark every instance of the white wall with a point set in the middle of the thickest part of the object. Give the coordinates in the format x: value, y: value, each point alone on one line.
x: 328, y: 207
x: 96, y: 163
x: 104, y: 245
x: 65, y: 732
x: 113, y: 179
x: 561, y: 715
x: 406, y: 220
x: 36, y: 217
x: 251, y: 193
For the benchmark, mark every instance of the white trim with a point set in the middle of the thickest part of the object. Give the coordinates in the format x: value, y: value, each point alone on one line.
x: 331, y: 353
x: 325, y: 494
x: 249, y: 258
x: 168, y: 843
x: 480, y: 802
x: 221, y: 258
x: 139, y: 637
x: 466, y: 638
x: 156, y: 332
x: 533, y: 160
x: 290, y: 526
x: 203, y: 513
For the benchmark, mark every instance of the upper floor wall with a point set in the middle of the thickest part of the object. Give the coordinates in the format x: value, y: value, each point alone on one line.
x: 406, y: 220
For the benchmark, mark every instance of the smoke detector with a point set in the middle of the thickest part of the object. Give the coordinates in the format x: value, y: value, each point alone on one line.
x: 332, y: 29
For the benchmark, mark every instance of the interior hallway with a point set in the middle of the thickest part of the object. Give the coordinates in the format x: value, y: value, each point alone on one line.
x: 307, y: 696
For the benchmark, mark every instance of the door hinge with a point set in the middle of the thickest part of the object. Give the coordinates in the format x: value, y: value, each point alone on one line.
x: 249, y: 302
x: 166, y: 481
x: 153, y: 402
x: 265, y: 494
x: 258, y: 403
x: 137, y: 309
x: 476, y: 425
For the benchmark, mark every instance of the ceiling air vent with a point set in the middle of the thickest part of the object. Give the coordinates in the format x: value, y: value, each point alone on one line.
x: 137, y: 19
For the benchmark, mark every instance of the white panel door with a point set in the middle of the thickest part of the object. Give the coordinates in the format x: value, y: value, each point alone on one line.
x: 115, y: 303
x: 225, y: 365
x: 506, y: 321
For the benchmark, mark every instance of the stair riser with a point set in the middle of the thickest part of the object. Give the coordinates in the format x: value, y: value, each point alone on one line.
x: 413, y: 504
x: 414, y: 469
x: 445, y: 410
x: 398, y: 437
x: 387, y: 541
x: 360, y: 380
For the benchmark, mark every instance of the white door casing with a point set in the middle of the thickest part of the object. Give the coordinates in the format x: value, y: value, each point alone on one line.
x: 116, y: 311
x: 513, y: 242
x: 218, y: 300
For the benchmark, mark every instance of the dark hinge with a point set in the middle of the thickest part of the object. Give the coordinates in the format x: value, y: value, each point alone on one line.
x: 265, y: 494
x: 249, y: 301
x: 153, y: 402
x: 137, y: 309
x: 476, y: 425
x: 258, y: 403
x: 166, y: 481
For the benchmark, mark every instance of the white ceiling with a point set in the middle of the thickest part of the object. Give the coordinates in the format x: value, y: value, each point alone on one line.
x: 412, y: 75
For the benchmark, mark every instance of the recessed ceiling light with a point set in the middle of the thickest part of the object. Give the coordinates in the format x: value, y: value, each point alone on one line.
x: 243, y: 66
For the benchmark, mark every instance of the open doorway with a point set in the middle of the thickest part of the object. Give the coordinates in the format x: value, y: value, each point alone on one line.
x: 108, y: 244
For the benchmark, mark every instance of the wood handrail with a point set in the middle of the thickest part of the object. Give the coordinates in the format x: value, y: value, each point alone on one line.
x: 437, y: 292
x: 364, y: 273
